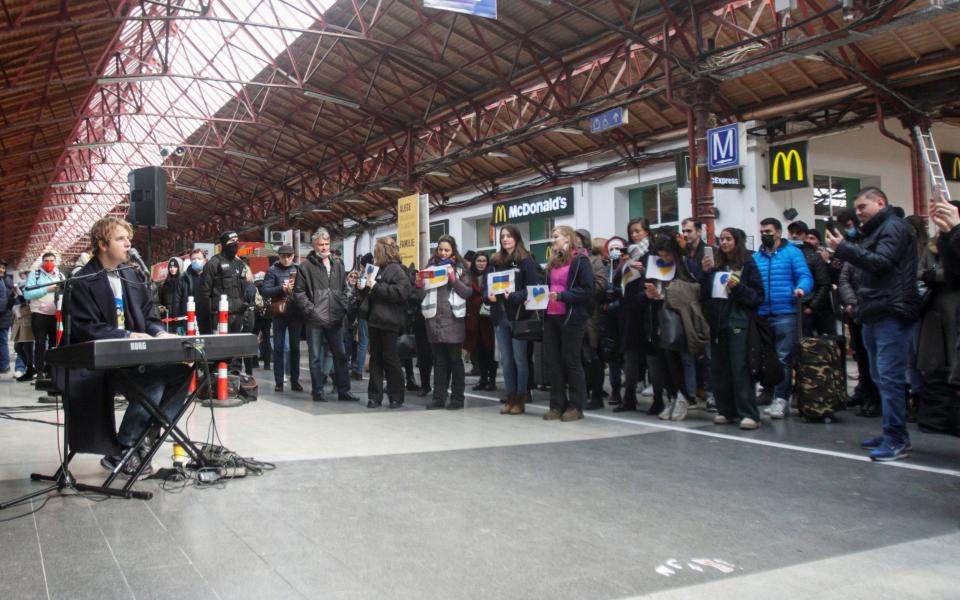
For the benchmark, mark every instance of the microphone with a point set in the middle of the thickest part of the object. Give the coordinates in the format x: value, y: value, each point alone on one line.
x: 135, y: 257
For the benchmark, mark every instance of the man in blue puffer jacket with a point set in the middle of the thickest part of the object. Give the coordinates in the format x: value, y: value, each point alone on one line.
x: 786, y: 277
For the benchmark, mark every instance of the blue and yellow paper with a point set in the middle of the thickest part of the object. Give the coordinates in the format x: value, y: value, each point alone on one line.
x: 434, y: 277
x: 537, y: 297
x: 657, y: 268
x: 629, y: 274
x: 501, y: 281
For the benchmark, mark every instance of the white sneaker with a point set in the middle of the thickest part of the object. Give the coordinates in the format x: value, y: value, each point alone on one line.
x: 778, y: 408
x: 711, y: 402
x: 721, y: 420
x: 749, y: 423
x: 17, y: 374
x: 647, y: 391
x: 665, y: 413
x: 680, y: 408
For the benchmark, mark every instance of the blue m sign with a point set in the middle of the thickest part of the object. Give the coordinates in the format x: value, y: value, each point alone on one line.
x: 723, y: 147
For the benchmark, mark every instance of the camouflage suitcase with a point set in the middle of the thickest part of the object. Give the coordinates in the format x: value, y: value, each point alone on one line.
x: 820, y: 384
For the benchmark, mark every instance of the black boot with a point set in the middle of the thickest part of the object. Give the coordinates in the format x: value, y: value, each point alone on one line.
x: 629, y: 402
x: 492, y: 378
x: 657, y: 407
x: 412, y: 384
x: 28, y: 375
x: 615, y: 399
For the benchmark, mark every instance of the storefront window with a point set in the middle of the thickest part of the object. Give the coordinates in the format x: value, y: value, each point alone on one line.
x: 830, y: 196
x: 658, y: 204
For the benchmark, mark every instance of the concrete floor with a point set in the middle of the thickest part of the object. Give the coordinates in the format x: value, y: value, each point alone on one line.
x: 472, y: 504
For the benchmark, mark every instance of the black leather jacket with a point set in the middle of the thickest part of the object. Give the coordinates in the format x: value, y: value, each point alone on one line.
x: 885, y: 268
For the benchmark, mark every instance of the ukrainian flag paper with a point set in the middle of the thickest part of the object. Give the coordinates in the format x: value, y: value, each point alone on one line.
x: 434, y: 277
x: 537, y: 297
x: 501, y: 281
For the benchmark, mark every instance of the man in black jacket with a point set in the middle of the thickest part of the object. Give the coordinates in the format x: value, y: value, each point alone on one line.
x: 278, y: 287
x: 117, y: 304
x: 817, y: 312
x: 885, y: 273
x: 318, y: 292
x: 188, y: 285
x: 226, y: 274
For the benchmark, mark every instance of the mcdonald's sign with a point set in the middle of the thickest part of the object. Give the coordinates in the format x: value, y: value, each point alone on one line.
x: 789, y: 169
x: 951, y: 166
x: 548, y: 204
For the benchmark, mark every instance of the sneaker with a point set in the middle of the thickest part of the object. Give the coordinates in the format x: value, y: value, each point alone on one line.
x: 778, y: 408
x: 722, y: 420
x: 552, y: 415
x: 17, y: 374
x: 887, y: 452
x: 711, y: 403
x: 647, y: 391
x: 571, y: 414
x: 680, y: 408
x: 129, y: 468
x: 874, y: 443
x: 749, y: 423
x: 665, y: 413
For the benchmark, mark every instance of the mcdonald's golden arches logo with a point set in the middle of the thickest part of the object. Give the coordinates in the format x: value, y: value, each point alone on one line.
x: 499, y: 214
x: 789, y: 169
x: 951, y: 166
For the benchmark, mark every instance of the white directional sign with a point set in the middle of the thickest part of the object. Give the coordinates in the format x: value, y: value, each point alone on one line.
x: 724, y: 147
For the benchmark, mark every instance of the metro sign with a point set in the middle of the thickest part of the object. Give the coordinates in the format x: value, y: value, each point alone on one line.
x: 724, y: 148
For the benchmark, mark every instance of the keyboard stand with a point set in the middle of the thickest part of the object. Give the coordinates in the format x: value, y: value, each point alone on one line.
x: 62, y: 478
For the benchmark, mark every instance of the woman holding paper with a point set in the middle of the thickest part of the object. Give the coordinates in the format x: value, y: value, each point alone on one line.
x: 444, y: 287
x: 570, y: 277
x: 384, y: 308
x: 505, y: 292
x: 627, y: 296
x: 730, y: 291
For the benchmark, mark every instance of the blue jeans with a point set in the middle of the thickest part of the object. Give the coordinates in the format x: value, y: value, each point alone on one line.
x: 324, y: 342
x: 884, y: 341
x: 281, y: 328
x: 4, y: 349
x: 786, y: 338
x: 914, y: 378
x: 513, y: 358
x: 363, y: 339
x: 165, y: 387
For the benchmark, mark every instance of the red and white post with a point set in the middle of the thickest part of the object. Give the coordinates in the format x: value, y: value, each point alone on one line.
x: 192, y: 331
x: 223, y: 328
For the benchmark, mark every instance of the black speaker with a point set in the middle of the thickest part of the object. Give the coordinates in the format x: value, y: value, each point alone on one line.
x: 148, y: 197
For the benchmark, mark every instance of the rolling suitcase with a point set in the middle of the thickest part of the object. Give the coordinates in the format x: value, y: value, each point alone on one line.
x: 820, y: 383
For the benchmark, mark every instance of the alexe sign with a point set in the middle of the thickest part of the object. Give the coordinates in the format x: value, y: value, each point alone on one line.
x: 549, y: 204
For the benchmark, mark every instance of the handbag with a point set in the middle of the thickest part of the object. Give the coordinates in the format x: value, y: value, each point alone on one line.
x: 407, y: 346
x: 279, y: 307
x: 672, y: 336
x: 528, y: 330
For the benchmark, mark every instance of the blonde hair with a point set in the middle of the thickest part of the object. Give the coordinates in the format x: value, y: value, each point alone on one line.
x: 102, y: 229
x: 386, y: 251
x: 565, y: 257
x: 598, y: 245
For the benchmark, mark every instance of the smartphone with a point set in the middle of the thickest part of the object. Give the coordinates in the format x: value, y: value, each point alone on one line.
x: 708, y: 252
x: 831, y: 226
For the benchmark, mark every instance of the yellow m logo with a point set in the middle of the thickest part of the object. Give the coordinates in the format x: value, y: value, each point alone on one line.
x: 956, y: 168
x: 499, y: 214
x: 787, y: 159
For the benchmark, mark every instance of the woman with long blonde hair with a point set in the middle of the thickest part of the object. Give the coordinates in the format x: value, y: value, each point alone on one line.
x: 570, y: 278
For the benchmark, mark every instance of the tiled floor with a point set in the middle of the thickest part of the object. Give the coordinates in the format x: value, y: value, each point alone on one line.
x: 470, y: 504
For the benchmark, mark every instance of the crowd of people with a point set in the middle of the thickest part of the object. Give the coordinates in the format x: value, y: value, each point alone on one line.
x: 603, y: 316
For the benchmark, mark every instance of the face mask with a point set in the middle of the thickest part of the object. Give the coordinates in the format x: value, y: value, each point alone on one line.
x: 852, y: 232
x: 48, y: 267
x: 230, y: 250
x: 615, y: 254
x: 767, y: 241
x: 196, y: 265
x: 796, y: 242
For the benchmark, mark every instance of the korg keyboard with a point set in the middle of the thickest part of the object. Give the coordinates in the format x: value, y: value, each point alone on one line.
x: 99, y: 355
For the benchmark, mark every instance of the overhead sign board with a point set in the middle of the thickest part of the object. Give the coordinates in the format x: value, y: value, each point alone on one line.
x: 732, y: 178
x: 724, y: 147
x: 609, y: 119
x: 951, y: 166
x: 548, y: 204
x: 479, y: 8
x: 789, y: 169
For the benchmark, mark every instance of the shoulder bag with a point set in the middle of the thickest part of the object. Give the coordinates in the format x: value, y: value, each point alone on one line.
x: 528, y: 330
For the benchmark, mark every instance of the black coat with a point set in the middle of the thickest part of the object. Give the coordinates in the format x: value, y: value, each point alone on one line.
x: 6, y: 301
x: 632, y: 309
x: 885, y: 266
x: 312, y: 277
x: 579, y: 295
x: 93, y: 316
x: 385, y: 306
x: 747, y: 295
x: 512, y: 307
x: 272, y: 288
x: 819, y: 299
x: 188, y: 284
